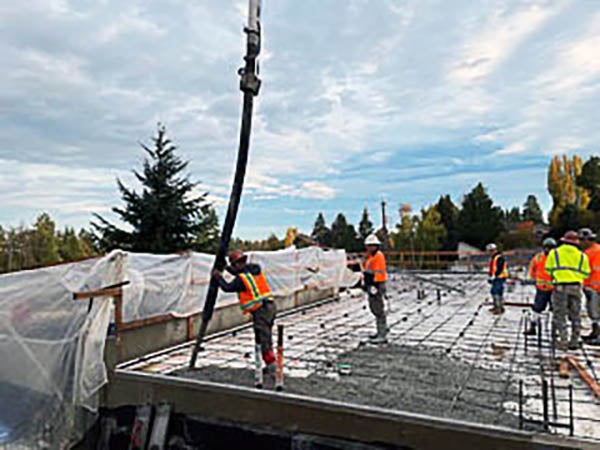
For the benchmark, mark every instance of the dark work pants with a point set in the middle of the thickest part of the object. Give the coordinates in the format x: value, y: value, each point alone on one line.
x: 262, y: 322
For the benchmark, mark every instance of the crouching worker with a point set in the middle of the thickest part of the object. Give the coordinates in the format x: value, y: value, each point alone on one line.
x: 374, y: 278
x: 255, y: 298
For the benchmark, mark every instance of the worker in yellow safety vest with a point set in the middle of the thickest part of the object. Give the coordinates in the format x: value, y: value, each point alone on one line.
x: 569, y: 267
x: 497, y: 275
x: 591, y: 286
x: 543, y: 283
x: 374, y: 279
x: 255, y: 298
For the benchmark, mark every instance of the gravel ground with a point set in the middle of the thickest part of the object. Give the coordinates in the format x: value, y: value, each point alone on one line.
x: 402, y: 378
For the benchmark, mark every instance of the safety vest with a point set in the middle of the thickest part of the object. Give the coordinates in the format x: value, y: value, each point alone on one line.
x: 376, y: 264
x: 593, y: 254
x: 537, y: 272
x: 256, y: 292
x: 494, y: 267
x: 567, y: 264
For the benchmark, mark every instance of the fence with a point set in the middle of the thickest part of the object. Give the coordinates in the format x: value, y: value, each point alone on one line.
x: 446, y: 260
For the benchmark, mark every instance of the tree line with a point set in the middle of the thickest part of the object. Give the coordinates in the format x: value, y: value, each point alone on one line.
x: 573, y: 185
x: 42, y: 244
x: 169, y: 214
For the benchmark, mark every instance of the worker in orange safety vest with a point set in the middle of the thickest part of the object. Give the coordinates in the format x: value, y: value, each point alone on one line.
x: 374, y: 279
x: 255, y: 298
x: 543, y: 283
x: 591, y: 286
x: 497, y: 275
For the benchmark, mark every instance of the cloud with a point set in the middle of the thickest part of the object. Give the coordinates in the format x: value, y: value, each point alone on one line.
x: 358, y: 99
x: 490, y: 46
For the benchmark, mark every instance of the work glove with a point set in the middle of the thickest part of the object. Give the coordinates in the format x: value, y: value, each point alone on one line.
x: 373, y: 290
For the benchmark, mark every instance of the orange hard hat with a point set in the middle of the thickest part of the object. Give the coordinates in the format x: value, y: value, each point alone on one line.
x: 571, y: 237
x: 236, y: 255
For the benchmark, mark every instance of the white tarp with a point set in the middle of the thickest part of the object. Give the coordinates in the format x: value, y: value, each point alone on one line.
x: 52, y: 347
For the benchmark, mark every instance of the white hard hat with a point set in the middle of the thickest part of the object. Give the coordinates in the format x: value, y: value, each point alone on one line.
x: 491, y: 247
x: 372, y: 240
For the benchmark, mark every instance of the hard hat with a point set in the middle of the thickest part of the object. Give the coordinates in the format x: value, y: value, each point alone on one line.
x: 236, y: 255
x: 372, y: 240
x: 571, y: 237
x: 491, y: 247
x: 586, y: 234
x: 549, y: 242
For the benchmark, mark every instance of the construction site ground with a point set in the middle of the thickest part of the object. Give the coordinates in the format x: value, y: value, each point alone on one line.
x: 447, y: 356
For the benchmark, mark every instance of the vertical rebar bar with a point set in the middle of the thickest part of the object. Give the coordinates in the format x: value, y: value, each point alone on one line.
x: 279, y: 360
x: 545, y: 403
x: 571, y: 417
x: 258, y: 374
x: 520, y: 404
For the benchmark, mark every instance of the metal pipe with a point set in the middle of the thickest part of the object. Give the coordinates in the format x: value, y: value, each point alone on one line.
x: 250, y: 85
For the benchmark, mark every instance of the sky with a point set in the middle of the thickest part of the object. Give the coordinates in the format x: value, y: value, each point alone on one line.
x: 361, y: 100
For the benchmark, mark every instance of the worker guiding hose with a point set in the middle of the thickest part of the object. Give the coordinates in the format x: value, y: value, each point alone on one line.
x: 374, y: 279
x: 542, y: 280
x: 255, y: 298
x: 497, y: 276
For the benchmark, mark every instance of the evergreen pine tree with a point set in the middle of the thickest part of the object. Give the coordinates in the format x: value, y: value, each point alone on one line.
x: 365, y: 227
x: 165, y: 216
x: 532, y: 211
x: 479, y: 221
x: 320, y: 232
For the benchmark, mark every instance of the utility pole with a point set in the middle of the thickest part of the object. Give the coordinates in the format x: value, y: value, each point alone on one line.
x: 386, y: 239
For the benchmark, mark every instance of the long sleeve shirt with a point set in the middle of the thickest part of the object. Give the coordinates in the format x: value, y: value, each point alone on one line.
x: 237, y: 285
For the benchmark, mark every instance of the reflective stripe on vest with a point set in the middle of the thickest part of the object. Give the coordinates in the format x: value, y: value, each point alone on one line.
x: 257, y: 291
x: 593, y: 254
x: 494, y: 267
x: 376, y: 264
x: 570, y: 271
x: 537, y: 271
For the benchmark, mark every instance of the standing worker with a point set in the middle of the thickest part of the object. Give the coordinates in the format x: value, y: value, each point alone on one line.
x: 569, y: 267
x: 543, y: 283
x: 255, y: 298
x: 498, y: 273
x: 375, y: 276
x: 591, y: 286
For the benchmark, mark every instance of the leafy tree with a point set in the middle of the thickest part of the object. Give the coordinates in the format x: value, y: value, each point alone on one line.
x: 448, y: 217
x: 479, y: 221
x: 532, y: 211
x: 321, y: 233
x: 430, y: 230
x: 165, y: 217
x: 365, y: 227
x: 343, y: 235
x: 589, y: 179
x: 512, y: 217
x: 404, y: 236
x: 43, y: 241
x: 70, y: 246
x: 562, y: 175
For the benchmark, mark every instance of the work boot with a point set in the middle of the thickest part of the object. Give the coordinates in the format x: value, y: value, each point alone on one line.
x: 532, y: 331
x: 494, y: 310
x: 380, y: 338
x: 594, y: 335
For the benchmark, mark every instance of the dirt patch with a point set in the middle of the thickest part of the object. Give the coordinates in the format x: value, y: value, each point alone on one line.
x: 419, y: 380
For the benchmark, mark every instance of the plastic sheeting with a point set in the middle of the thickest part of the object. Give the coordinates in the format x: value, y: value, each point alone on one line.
x: 52, y: 346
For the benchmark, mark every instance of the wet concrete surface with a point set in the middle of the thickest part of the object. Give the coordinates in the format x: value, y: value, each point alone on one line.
x: 413, y: 379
